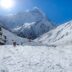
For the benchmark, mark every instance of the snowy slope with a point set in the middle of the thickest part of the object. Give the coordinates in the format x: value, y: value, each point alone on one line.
x: 12, y: 37
x: 59, y: 36
x: 35, y: 59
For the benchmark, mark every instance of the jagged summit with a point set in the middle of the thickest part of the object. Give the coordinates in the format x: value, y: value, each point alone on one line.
x: 37, y: 10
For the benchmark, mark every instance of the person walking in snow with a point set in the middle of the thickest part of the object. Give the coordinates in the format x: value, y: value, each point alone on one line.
x: 14, y: 43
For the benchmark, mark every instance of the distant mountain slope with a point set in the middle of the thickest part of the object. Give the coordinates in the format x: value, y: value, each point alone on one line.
x: 37, y: 21
x: 60, y: 35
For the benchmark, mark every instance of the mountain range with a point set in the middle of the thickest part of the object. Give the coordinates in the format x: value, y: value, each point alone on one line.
x: 40, y: 29
x: 28, y: 24
x: 49, y: 51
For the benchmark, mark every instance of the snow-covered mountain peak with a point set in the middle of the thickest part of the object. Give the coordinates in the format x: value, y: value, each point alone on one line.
x: 34, y: 29
x: 37, y: 10
x: 31, y: 23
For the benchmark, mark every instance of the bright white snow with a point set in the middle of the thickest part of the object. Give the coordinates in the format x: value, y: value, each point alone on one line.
x: 36, y: 59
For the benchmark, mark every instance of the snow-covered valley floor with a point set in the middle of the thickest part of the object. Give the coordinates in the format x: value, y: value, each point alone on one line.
x: 35, y: 59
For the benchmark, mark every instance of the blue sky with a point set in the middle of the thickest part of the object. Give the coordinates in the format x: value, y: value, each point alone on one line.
x: 58, y: 11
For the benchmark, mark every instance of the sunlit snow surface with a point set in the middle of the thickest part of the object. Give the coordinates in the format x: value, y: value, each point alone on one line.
x: 35, y: 59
